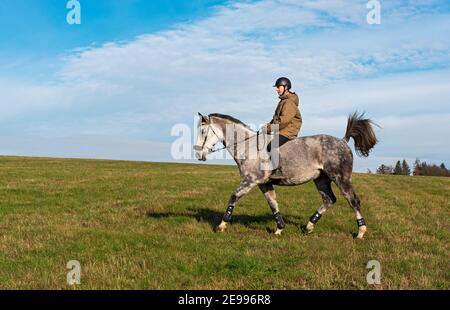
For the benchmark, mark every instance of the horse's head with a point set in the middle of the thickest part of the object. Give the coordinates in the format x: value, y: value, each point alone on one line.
x: 207, y: 137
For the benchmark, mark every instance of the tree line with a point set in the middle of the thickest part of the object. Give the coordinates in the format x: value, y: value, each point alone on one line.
x: 420, y: 168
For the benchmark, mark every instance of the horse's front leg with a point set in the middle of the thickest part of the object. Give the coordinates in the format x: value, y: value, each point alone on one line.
x: 244, y: 187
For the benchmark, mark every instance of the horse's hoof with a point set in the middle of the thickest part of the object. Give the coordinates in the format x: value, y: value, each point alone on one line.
x: 309, y: 228
x: 361, y: 232
x: 278, y: 232
x: 221, y: 228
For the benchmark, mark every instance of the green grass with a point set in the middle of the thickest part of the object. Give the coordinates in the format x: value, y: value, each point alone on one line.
x: 135, y: 225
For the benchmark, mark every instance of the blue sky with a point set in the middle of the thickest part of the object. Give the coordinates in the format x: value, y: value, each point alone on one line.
x: 33, y: 22
x: 114, y: 86
x: 37, y: 31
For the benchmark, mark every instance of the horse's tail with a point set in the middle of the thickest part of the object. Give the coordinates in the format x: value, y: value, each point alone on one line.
x: 361, y: 130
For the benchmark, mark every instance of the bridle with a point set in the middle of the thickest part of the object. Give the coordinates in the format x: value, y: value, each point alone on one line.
x: 210, y: 150
x: 200, y: 148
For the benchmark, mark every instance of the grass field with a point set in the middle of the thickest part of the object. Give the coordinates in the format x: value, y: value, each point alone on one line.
x: 135, y: 225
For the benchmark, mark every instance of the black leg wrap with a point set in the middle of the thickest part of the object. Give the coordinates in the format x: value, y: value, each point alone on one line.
x: 279, y: 220
x: 315, y: 218
x: 361, y: 222
x: 227, y: 215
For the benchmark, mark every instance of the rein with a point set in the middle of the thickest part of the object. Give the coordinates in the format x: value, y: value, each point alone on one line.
x: 235, y: 142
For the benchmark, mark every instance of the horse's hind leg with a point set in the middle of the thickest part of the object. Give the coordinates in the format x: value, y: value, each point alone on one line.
x: 347, y: 190
x: 323, y: 184
x: 271, y: 198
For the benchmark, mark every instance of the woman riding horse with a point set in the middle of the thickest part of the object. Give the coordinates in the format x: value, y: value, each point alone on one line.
x: 286, y: 121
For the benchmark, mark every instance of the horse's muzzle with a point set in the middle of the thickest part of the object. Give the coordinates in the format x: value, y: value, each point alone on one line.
x: 200, y: 155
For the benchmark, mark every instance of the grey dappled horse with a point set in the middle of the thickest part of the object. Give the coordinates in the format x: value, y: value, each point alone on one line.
x: 321, y: 158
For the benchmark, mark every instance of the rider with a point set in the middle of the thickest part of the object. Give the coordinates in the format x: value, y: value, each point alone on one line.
x: 287, y: 116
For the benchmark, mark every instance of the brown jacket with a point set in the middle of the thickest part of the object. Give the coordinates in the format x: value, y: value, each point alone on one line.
x: 287, y: 116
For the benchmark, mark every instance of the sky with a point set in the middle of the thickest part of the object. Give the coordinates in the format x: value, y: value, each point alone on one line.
x: 115, y: 86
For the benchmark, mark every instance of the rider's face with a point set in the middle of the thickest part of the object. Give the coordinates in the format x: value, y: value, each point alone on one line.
x: 280, y: 90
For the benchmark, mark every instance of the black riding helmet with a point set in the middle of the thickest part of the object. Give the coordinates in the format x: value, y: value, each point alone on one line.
x: 283, y: 81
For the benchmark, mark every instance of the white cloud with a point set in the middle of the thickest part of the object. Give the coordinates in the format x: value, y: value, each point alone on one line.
x: 401, y: 95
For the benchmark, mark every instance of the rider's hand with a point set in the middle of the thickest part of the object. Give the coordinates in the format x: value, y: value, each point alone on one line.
x: 265, y: 129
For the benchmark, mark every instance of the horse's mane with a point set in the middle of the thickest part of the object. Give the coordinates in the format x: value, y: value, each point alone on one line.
x: 230, y: 118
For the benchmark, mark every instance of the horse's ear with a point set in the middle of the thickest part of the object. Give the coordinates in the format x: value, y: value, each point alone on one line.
x: 204, y: 118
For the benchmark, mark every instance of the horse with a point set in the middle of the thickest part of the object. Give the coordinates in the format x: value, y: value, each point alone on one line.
x: 321, y: 158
